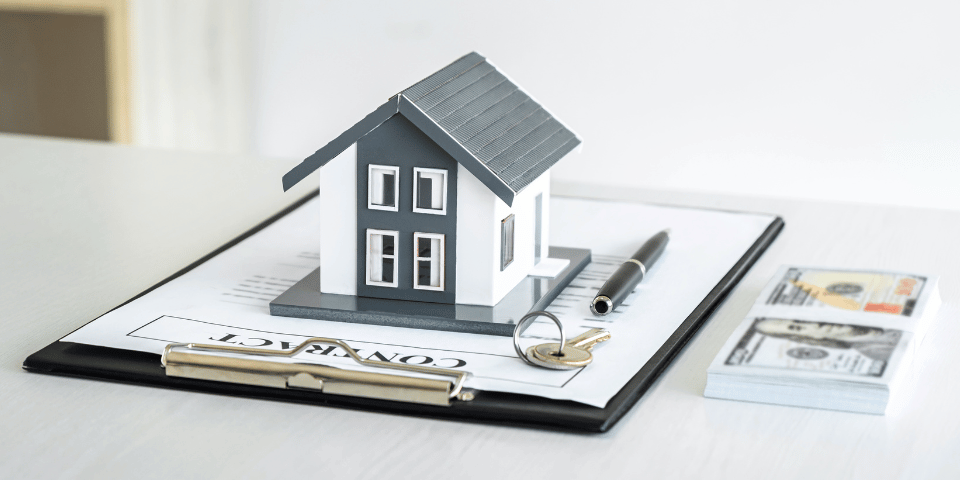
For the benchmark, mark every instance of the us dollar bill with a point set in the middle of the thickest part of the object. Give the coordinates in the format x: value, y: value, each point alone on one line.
x: 879, y: 292
x: 800, y: 345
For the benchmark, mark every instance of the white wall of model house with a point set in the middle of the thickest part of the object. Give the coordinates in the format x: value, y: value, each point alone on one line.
x: 338, y: 224
x: 480, y: 213
x: 524, y: 208
x: 479, y: 217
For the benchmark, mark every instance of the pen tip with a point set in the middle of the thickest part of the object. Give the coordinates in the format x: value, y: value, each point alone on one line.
x: 666, y: 230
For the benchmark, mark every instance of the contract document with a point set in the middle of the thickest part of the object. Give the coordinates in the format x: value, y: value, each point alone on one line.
x: 224, y: 301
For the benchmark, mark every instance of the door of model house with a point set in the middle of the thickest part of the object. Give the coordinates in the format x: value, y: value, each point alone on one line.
x: 538, y: 230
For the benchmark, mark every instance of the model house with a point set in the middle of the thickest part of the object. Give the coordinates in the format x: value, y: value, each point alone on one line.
x: 445, y: 197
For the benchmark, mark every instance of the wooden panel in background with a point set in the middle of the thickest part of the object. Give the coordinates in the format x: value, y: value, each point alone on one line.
x: 65, y: 69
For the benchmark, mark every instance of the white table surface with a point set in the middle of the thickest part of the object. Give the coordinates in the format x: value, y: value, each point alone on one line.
x: 87, y: 225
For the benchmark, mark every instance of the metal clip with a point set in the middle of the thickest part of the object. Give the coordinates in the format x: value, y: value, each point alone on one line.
x: 323, y: 378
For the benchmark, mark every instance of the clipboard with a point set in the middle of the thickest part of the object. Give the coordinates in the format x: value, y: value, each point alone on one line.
x: 104, y: 363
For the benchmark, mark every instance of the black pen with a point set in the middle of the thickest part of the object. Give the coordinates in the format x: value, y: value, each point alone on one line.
x: 626, y: 278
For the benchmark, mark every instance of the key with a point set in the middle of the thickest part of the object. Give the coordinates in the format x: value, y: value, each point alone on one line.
x: 576, y: 352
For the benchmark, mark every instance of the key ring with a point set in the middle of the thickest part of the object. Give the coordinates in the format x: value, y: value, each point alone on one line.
x: 530, y: 317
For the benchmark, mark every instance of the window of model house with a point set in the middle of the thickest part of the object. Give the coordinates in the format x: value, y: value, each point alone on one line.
x: 382, y: 191
x: 506, y: 242
x: 428, y: 261
x: 382, y: 258
x: 430, y: 191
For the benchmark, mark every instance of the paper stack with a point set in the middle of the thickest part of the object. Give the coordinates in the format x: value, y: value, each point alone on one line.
x: 834, y: 339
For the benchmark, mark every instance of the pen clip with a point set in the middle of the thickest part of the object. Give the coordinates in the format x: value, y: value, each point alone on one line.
x: 192, y: 364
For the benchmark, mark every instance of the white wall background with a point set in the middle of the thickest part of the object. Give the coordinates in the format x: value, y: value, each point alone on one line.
x: 837, y: 100
x: 192, y: 74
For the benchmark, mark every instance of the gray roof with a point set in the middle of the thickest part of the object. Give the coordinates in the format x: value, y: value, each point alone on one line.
x: 481, y: 118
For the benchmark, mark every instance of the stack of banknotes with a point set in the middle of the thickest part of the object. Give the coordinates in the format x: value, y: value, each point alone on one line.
x: 823, y: 338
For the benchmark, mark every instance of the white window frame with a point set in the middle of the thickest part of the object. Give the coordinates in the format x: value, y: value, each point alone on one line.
x: 370, y: 256
x: 441, y: 259
x: 396, y: 188
x: 443, y: 190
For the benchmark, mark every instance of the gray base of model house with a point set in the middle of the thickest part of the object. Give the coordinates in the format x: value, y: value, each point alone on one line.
x: 304, y: 300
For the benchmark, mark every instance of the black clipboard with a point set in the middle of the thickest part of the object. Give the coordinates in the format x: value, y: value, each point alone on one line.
x: 103, y: 363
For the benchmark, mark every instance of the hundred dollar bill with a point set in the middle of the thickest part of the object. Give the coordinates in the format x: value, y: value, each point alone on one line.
x: 826, y: 338
x: 880, y: 292
x: 799, y: 345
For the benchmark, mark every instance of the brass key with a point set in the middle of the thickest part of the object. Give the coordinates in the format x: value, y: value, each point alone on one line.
x: 575, y: 353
